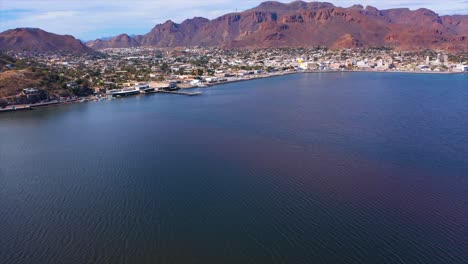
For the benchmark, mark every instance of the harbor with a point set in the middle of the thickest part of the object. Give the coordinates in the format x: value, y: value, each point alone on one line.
x: 170, y: 87
x: 146, y: 88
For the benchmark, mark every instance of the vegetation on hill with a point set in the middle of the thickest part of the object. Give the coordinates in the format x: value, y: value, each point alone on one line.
x: 31, y: 74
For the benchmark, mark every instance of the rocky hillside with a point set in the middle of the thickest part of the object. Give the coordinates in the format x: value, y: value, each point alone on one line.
x: 120, y: 41
x: 12, y: 82
x: 274, y: 24
x: 37, y: 40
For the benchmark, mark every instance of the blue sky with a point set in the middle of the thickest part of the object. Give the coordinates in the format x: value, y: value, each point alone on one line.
x: 90, y: 19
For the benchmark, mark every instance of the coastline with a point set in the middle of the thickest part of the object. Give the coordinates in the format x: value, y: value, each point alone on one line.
x: 411, y: 72
x: 21, y: 108
x: 255, y: 77
x: 235, y: 79
x: 15, y: 108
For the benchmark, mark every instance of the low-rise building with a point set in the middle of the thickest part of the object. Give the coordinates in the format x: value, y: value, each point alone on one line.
x: 461, y: 68
x: 34, y: 95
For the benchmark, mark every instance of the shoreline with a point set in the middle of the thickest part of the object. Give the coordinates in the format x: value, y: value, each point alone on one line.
x: 411, y: 72
x: 314, y: 71
x: 235, y: 80
x: 21, y: 108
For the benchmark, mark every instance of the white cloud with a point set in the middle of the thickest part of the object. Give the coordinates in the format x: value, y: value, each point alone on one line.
x: 54, y: 15
x: 89, y: 19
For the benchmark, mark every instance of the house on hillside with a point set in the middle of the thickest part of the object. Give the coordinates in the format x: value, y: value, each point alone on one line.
x: 34, y: 95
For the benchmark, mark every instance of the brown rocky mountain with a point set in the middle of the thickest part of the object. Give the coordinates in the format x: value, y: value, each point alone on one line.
x: 274, y: 24
x: 171, y: 34
x: 34, y: 39
x: 120, y: 41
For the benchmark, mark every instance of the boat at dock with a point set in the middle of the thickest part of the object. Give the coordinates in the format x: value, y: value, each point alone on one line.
x: 142, y: 88
x: 123, y: 92
x: 145, y: 88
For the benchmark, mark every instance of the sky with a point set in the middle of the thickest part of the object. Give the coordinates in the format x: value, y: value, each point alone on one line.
x: 91, y: 19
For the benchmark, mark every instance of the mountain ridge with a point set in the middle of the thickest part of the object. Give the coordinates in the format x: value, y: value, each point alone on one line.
x: 307, y: 24
x: 38, y: 40
x: 275, y: 24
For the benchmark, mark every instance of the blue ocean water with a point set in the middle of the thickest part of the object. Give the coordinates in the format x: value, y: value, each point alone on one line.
x: 306, y: 168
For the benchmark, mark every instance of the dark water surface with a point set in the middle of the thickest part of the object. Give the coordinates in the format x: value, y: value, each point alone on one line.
x: 311, y: 168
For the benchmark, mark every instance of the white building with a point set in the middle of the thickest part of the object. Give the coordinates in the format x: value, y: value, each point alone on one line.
x: 307, y: 65
x: 461, y: 68
x: 362, y: 64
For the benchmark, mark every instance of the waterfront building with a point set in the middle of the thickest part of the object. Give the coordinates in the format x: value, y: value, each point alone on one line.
x: 34, y: 95
x: 462, y: 68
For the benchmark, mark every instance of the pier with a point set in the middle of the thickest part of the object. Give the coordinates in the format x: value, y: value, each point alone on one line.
x: 15, y: 108
x: 180, y: 92
x: 54, y: 102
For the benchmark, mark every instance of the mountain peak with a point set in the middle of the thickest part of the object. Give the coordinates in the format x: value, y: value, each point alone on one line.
x: 35, y: 39
x: 120, y: 41
x: 268, y: 4
x: 28, y: 29
x: 273, y: 6
x: 276, y: 24
x: 169, y: 22
x: 360, y: 7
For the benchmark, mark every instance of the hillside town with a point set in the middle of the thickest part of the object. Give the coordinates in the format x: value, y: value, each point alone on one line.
x: 69, y: 78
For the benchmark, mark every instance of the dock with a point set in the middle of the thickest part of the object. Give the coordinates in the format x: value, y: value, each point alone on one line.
x: 54, y: 102
x: 180, y: 92
x: 15, y: 108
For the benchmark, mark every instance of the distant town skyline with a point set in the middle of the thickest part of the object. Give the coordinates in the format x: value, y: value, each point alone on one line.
x: 91, y: 19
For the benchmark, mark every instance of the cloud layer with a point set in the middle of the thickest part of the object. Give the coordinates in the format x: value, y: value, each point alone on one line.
x: 90, y: 19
